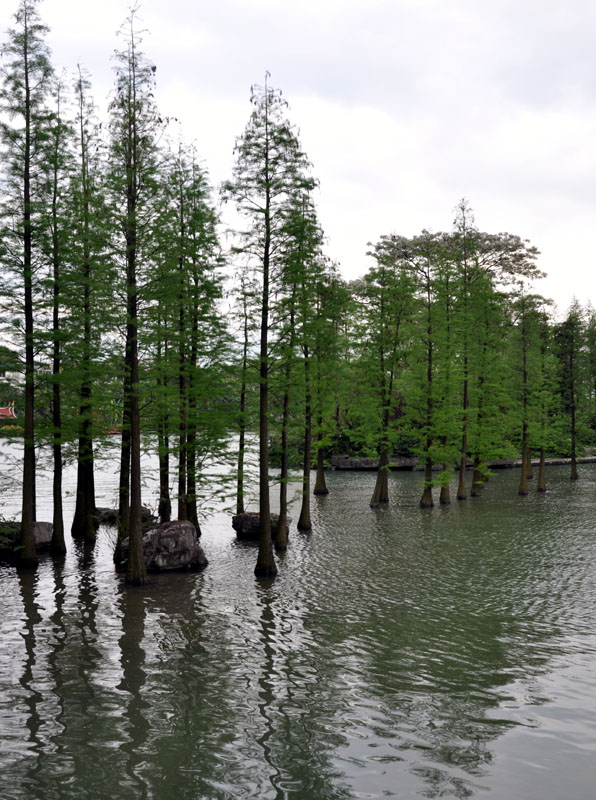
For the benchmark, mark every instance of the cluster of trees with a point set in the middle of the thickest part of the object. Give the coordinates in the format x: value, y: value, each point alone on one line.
x: 115, y: 290
x: 111, y: 281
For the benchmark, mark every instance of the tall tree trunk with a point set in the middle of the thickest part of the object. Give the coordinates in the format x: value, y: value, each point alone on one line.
x: 320, y: 483
x: 528, y: 457
x: 542, y: 472
x: 445, y: 496
x: 281, y: 538
x: 265, y: 566
x: 304, y: 521
x: 182, y: 444
x: 242, y: 417
x: 462, y: 492
x: 83, y: 523
x: 135, y: 569
x: 191, y: 440
x: 381, y: 491
x: 163, y: 446
x: 426, y: 501
x: 27, y: 555
x: 523, y: 480
x: 58, y: 545
x: 124, y: 478
x: 574, y: 474
x: 191, y: 474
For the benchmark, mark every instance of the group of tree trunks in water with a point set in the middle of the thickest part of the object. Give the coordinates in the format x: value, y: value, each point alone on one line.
x: 133, y: 320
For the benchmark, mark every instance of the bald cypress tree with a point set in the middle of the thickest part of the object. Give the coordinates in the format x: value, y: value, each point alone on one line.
x: 26, y: 71
x: 270, y: 172
x: 133, y: 178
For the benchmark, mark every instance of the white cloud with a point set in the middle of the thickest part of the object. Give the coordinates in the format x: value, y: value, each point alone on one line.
x: 404, y: 106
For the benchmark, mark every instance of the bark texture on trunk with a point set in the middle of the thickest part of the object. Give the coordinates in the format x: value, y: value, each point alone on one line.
x: 426, y: 501
x: 265, y: 566
x: 445, y: 495
x: 304, y: 521
x: 541, y: 487
x: 27, y: 555
x: 320, y: 482
x: 381, y: 492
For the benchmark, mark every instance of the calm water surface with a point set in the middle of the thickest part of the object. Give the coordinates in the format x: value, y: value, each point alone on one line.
x: 400, y: 653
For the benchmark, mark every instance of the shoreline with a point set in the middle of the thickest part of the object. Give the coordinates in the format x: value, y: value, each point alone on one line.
x: 363, y: 464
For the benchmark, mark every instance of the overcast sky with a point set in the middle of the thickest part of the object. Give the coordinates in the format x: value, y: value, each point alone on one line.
x: 403, y: 106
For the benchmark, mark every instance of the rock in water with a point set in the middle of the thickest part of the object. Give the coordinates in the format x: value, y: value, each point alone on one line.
x: 170, y: 546
x: 247, y: 525
x: 10, y: 533
x: 43, y: 532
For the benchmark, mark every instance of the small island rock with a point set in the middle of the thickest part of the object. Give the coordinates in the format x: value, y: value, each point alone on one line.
x: 171, y: 546
x: 247, y: 525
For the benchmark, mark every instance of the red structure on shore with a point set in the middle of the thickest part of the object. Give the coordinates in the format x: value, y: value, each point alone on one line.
x: 8, y: 411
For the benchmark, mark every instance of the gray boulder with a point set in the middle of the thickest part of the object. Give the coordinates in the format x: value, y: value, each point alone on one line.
x: 10, y: 533
x: 170, y: 546
x: 43, y: 534
x: 247, y: 525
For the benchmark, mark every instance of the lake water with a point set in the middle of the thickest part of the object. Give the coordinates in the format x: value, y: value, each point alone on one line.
x: 400, y: 653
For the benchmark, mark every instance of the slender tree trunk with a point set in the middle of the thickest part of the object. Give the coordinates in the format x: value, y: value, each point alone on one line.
x: 281, y: 538
x: 320, y: 483
x: 542, y: 472
x: 242, y: 418
x: 83, y: 524
x: 58, y: 545
x: 523, y: 480
x: 265, y: 566
x: 27, y: 555
x: 191, y: 473
x: 164, y: 508
x: 542, y: 468
x: 182, y: 386
x: 528, y: 459
x: 124, y: 479
x: 462, y: 493
x: 426, y: 500
x: 192, y: 513
x: 574, y: 474
x: 304, y: 521
x: 444, y: 496
x: 182, y: 444
x: 135, y: 568
x: 165, y: 504
x: 381, y: 492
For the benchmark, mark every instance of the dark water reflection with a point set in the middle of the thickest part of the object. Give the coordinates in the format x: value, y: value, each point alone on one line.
x: 400, y: 653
